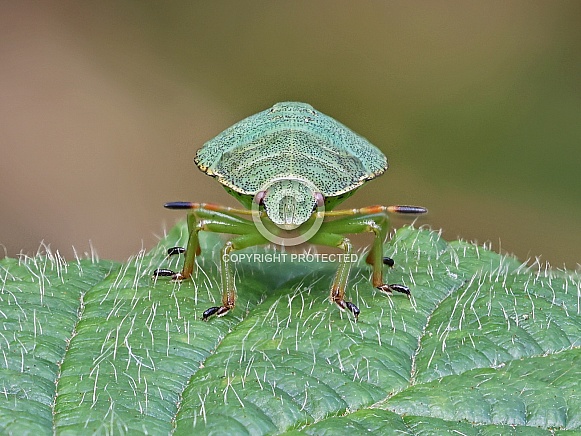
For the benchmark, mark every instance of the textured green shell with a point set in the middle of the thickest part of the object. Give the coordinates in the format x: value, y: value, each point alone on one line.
x: 291, y: 140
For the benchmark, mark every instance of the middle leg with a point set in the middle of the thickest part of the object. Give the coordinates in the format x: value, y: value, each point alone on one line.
x: 332, y: 234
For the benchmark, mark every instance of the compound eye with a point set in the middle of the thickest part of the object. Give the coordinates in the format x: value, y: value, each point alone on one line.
x: 259, y: 197
x: 320, y: 200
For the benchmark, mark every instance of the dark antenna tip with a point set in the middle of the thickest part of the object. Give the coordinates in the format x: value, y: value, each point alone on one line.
x: 413, y: 210
x: 179, y: 205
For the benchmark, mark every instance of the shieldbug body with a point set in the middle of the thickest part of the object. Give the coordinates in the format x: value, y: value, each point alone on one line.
x: 289, y: 166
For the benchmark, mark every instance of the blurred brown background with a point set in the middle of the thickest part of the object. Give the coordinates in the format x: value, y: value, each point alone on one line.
x: 476, y: 104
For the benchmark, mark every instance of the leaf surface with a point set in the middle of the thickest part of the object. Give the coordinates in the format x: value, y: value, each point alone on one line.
x: 485, y: 345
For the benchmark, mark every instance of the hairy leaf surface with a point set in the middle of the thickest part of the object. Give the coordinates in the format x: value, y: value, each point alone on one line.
x: 485, y: 345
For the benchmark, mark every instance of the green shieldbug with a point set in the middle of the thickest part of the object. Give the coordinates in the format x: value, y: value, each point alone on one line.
x: 290, y: 166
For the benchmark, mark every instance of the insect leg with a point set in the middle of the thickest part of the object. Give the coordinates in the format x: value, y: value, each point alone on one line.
x: 207, y: 217
x: 193, y: 250
x: 377, y: 223
x: 228, y: 286
x: 227, y: 272
x: 337, y: 293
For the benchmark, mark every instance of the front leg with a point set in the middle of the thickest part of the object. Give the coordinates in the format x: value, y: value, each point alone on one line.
x: 228, y: 287
x: 372, y: 219
x: 207, y: 217
x: 337, y: 293
x: 227, y: 272
x: 217, y: 219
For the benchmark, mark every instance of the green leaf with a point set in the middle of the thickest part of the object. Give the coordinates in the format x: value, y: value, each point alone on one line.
x: 485, y: 345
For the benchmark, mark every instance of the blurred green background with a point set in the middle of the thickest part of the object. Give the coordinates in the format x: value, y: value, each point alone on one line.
x: 476, y: 104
